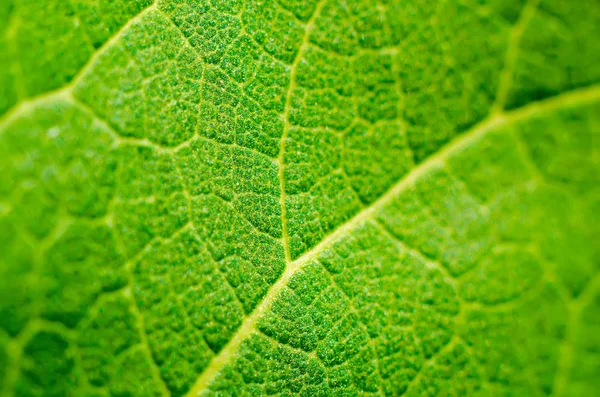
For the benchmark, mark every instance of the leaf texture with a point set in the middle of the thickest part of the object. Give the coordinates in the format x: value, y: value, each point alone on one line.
x: 299, y: 198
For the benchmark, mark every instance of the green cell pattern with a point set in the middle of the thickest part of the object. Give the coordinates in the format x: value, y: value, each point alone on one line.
x: 299, y: 198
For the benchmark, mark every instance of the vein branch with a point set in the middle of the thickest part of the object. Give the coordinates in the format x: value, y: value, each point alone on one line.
x: 512, y: 53
x: 286, y: 127
x: 22, y: 106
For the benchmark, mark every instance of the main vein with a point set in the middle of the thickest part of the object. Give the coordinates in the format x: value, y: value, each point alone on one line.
x: 579, y: 96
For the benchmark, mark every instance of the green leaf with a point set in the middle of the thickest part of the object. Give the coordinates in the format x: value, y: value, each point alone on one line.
x: 312, y: 198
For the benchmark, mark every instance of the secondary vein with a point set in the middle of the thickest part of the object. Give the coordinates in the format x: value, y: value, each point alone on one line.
x: 22, y: 106
x: 286, y: 127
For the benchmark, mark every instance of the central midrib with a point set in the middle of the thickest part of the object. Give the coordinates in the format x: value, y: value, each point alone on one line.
x: 496, y: 120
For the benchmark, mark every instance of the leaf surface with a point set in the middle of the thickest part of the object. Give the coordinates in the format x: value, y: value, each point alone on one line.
x: 299, y: 198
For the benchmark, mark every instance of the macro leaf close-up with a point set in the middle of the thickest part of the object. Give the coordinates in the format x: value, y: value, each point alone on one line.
x: 299, y: 198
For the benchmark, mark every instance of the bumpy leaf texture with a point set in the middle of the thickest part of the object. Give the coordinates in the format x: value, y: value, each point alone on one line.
x: 299, y: 198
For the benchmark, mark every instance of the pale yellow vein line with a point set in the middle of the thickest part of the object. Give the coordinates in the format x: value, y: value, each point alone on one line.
x: 17, y: 68
x: 16, y: 354
x: 571, y: 98
x: 26, y: 104
x: 567, y: 349
x: 370, y: 340
x: 286, y: 127
x: 512, y: 52
x: 430, y: 362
